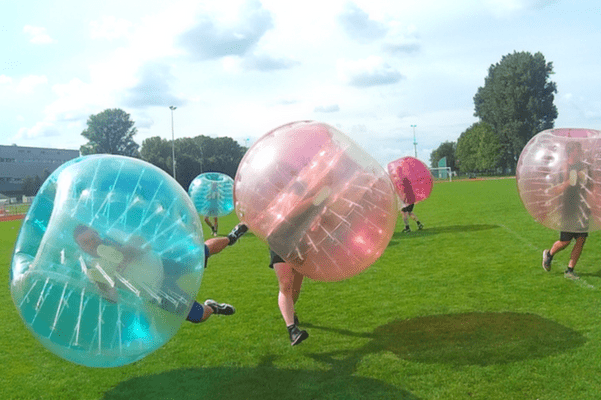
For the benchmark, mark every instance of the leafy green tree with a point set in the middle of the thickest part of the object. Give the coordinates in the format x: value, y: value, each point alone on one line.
x: 110, y: 132
x: 194, y: 156
x: 517, y: 101
x: 221, y: 154
x: 446, y: 149
x: 188, y: 159
x: 31, y: 185
x: 157, y: 151
x: 28, y: 186
x: 477, y: 149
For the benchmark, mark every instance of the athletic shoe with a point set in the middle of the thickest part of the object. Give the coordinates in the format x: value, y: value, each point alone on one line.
x: 547, y: 258
x: 297, y: 336
x: 237, y: 233
x: 570, y: 275
x: 214, y: 232
x: 220, y: 308
x: 420, y: 226
x: 407, y: 230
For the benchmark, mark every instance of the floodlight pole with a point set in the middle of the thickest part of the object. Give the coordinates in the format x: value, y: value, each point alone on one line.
x: 414, y: 141
x: 172, y: 140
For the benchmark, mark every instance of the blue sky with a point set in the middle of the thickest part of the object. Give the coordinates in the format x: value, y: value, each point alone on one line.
x: 241, y: 68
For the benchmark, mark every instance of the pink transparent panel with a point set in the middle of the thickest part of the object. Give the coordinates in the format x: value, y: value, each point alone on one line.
x: 317, y: 199
x: 558, y: 176
x: 411, y: 179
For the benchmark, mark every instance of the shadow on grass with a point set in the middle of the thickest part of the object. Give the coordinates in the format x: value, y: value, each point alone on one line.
x: 262, y: 382
x: 414, y: 234
x: 468, y: 339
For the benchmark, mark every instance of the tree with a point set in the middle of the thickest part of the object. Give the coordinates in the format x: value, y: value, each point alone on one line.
x: 477, y: 149
x: 446, y: 149
x: 157, y: 151
x: 110, y: 132
x: 517, y: 101
x: 220, y: 154
x: 194, y: 156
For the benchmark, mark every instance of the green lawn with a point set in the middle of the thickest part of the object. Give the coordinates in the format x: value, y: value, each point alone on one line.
x: 459, y: 310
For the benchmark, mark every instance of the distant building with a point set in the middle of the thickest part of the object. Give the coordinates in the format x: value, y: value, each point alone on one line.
x: 16, y: 163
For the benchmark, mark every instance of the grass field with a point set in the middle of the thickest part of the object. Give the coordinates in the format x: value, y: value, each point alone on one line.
x: 459, y: 310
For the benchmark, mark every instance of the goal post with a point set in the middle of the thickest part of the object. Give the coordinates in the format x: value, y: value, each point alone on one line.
x: 442, y: 173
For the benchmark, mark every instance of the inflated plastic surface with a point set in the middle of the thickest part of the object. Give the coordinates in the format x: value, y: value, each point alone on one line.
x: 319, y: 201
x: 108, y: 261
x: 411, y: 179
x: 558, y: 175
x: 212, y: 194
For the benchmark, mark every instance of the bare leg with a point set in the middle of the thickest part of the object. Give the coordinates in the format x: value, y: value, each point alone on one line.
x: 576, y: 251
x: 290, y: 282
x: 558, y: 246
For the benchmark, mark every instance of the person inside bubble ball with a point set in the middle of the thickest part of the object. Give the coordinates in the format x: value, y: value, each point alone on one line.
x: 302, y: 205
x: 214, y: 226
x: 408, y: 205
x: 574, y: 184
x: 290, y: 282
x: 113, y: 259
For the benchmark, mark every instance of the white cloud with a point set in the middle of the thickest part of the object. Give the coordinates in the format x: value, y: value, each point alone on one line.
x: 505, y: 8
x: 209, y: 38
x: 39, y: 130
x: 5, y: 79
x: 327, y: 109
x: 109, y: 27
x: 359, y: 25
x: 371, y: 71
x: 29, y: 83
x: 38, y: 35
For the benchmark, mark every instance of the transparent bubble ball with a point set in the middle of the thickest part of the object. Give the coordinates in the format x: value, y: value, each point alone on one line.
x: 318, y: 200
x: 108, y: 261
x: 411, y: 179
x: 558, y: 175
x: 212, y: 194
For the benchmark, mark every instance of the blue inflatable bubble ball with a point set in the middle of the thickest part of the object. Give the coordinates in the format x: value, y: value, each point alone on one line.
x: 108, y: 261
x: 212, y: 194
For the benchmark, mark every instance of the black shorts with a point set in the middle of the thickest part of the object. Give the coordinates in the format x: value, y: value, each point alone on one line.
x: 274, y: 259
x: 568, y: 236
x: 409, y: 208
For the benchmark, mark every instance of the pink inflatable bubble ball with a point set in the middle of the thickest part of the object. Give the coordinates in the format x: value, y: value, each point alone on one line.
x: 317, y: 199
x: 411, y: 179
x: 558, y: 175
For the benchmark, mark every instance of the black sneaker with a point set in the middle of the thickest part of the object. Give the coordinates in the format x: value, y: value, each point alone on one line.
x: 237, y: 233
x: 547, y: 258
x: 296, y: 335
x: 220, y: 308
x: 407, y: 230
x: 420, y: 226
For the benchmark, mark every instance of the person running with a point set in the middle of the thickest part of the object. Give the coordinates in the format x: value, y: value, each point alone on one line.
x: 407, y: 213
x: 214, y: 226
x: 290, y: 282
x: 573, y: 185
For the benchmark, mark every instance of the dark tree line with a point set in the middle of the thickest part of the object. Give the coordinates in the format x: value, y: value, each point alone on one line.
x: 31, y: 184
x: 112, y: 132
x: 194, y: 156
